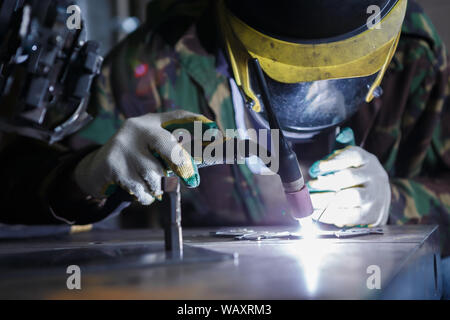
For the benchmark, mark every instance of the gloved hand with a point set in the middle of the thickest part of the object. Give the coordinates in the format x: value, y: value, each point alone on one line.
x: 129, y: 158
x: 350, y: 188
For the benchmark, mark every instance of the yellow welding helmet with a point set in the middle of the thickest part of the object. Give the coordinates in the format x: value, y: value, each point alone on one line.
x: 321, y: 58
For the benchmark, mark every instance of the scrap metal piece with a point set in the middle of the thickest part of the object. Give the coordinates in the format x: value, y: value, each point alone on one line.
x: 232, y: 233
x: 245, y: 234
x: 355, y: 232
x: 257, y: 236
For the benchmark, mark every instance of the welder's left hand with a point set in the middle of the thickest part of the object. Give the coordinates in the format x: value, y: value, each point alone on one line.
x: 350, y: 188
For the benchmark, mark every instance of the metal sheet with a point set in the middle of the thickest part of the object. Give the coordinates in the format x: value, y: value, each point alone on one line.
x: 276, y: 269
x: 102, y: 258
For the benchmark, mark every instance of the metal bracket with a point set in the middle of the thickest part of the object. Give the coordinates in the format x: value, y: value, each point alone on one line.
x: 173, y: 236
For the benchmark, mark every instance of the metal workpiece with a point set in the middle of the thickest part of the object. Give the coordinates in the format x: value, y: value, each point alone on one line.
x: 132, y: 264
x: 249, y: 234
x: 173, y: 235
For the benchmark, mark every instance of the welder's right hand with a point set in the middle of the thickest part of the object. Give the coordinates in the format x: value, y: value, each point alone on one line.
x: 130, y: 158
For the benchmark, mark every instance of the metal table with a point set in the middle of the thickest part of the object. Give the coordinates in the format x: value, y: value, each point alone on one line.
x: 407, y: 257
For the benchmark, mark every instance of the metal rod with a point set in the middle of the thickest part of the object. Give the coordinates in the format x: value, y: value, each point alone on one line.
x: 172, y: 230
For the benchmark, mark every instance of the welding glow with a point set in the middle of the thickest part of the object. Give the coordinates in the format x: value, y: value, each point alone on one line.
x: 310, y: 255
x: 308, y: 228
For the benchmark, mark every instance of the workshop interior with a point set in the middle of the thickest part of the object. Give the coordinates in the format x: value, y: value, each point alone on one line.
x: 224, y: 150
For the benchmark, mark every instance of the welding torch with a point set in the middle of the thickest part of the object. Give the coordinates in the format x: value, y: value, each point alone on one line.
x: 296, y: 191
x: 294, y: 186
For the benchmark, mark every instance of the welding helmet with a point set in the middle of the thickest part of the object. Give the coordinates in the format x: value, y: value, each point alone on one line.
x: 322, y: 59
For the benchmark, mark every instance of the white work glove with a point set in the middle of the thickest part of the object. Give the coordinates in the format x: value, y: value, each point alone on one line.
x: 351, y: 189
x: 129, y: 160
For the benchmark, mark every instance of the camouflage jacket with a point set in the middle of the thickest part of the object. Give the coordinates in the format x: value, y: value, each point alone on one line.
x: 172, y: 62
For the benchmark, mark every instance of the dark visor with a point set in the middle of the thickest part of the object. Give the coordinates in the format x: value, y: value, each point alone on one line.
x: 315, y: 106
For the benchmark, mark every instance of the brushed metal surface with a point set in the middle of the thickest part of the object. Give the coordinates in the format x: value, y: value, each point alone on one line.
x: 408, y: 258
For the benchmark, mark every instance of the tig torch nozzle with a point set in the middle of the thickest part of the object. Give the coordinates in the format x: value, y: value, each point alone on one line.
x: 300, y: 203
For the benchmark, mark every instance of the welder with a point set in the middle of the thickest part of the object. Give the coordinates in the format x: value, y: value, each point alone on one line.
x: 359, y: 90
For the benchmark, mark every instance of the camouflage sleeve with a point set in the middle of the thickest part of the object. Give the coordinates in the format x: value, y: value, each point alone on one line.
x: 425, y: 199
x: 421, y: 180
x: 127, y: 87
x: 103, y: 107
